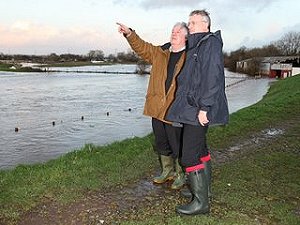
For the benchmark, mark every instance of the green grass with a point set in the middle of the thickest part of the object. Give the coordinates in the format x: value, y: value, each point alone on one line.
x: 281, y: 101
x: 75, y: 64
x: 69, y: 176
x: 249, y: 197
x: 7, y: 67
x: 262, y: 187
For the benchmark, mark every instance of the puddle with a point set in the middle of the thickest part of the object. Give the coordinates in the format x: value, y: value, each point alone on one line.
x: 263, y: 135
x: 114, y: 206
x: 272, y: 132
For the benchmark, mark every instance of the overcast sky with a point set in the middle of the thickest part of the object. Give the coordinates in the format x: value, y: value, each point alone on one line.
x: 78, y: 26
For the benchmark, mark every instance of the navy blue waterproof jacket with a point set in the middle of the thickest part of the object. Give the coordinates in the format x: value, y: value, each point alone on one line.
x: 201, y: 82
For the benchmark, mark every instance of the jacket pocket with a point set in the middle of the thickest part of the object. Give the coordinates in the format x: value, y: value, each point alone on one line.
x: 189, y: 111
x: 191, y: 100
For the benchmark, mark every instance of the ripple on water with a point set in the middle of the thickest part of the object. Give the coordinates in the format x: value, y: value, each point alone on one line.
x: 34, y: 102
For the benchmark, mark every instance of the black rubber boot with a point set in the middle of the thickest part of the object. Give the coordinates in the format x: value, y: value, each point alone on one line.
x: 207, y: 171
x: 185, y: 192
x: 198, y: 187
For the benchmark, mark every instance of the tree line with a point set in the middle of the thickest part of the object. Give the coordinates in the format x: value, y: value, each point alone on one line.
x: 93, y: 55
x: 288, y: 45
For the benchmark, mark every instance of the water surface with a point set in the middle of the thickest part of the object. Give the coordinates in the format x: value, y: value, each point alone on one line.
x: 59, y: 112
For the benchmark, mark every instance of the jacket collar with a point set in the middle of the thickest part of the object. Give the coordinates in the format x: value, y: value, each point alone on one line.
x: 171, y: 49
x: 193, y: 39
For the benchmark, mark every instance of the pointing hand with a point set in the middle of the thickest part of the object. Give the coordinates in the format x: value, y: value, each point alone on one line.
x: 124, y: 29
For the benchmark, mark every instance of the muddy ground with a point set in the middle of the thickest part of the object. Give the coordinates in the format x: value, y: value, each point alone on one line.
x: 122, y: 203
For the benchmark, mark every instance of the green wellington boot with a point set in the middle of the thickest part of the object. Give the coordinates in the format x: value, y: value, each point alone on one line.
x: 167, y: 170
x: 179, y: 181
x: 199, y: 203
x: 207, y: 171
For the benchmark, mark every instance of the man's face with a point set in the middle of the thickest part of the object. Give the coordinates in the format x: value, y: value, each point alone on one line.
x: 178, y: 36
x: 197, y: 24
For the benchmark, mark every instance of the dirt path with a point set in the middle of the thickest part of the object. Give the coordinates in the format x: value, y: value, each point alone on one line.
x: 112, y: 206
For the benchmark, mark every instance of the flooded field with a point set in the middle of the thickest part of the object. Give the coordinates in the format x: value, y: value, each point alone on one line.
x: 58, y: 112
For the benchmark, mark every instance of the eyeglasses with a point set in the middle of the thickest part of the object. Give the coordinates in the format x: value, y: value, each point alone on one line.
x: 195, y: 22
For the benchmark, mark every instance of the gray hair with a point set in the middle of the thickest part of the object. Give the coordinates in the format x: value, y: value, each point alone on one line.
x: 183, y: 26
x: 205, y: 16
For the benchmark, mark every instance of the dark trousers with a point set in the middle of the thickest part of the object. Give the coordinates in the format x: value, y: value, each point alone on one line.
x: 193, y: 145
x: 167, y: 138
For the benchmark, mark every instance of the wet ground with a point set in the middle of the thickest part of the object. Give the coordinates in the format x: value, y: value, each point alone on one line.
x: 123, y: 203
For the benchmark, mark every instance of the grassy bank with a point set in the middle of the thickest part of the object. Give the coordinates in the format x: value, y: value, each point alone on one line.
x: 264, y: 187
x: 281, y: 101
x: 261, y: 187
x: 18, y: 68
x: 77, y: 63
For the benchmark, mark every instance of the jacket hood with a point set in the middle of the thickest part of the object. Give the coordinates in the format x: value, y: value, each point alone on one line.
x: 193, y: 39
x: 165, y: 46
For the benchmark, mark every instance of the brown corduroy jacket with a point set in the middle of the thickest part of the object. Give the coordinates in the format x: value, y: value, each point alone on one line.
x: 157, y: 100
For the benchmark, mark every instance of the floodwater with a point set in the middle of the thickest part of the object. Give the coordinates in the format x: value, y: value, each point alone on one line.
x: 58, y: 112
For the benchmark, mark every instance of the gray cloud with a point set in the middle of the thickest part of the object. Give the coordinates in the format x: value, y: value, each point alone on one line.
x: 159, y: 4
x: 228, y: 5
x: 242, y: 5
x: 154, y: 4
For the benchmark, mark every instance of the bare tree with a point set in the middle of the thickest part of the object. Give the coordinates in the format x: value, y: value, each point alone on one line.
x: 289, y: 44
x: 53, y: 57
x: 96, y: 55
x: 142, y: 67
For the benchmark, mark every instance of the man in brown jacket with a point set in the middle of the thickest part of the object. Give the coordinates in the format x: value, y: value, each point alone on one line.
x: 166, y: 65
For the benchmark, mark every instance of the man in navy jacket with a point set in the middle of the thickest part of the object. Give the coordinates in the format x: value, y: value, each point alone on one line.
x: 200, y: 101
